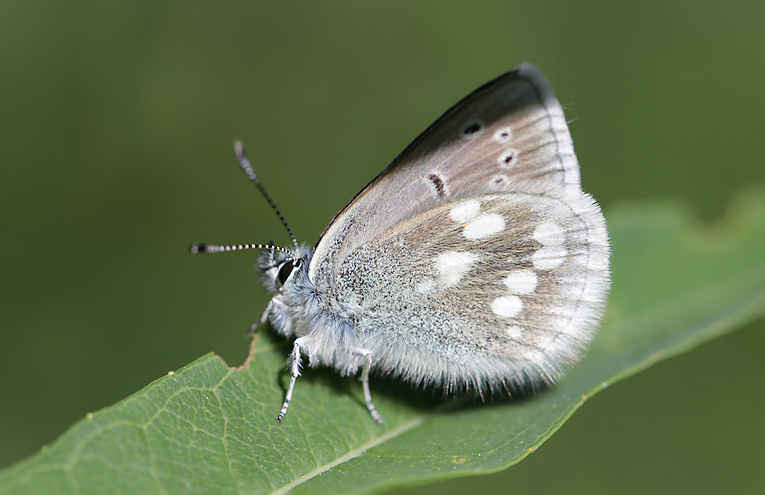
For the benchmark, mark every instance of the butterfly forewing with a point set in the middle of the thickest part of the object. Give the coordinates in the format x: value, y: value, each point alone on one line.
x: 509, y: 135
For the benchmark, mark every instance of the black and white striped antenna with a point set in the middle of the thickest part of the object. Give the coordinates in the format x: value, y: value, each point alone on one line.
x: 246, y: 166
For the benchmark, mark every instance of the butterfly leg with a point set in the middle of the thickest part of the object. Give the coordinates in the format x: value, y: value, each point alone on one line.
x: 262, y: 320
x: 295, y: 368
x: 266, y: 312
x: 365, y: 366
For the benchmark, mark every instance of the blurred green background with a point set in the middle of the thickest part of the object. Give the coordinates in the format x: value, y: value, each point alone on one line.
x: 117, y: 120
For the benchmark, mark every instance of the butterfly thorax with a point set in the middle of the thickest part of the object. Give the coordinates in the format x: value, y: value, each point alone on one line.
x: 299, y: 309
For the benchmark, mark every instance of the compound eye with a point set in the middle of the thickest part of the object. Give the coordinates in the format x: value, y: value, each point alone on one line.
x: 285, y: 271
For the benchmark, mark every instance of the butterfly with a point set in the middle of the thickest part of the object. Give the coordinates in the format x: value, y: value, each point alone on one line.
x: 474, y: 261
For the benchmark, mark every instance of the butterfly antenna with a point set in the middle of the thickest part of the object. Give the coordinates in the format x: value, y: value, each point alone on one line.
x: 217, y: 248
x: 246, y: 166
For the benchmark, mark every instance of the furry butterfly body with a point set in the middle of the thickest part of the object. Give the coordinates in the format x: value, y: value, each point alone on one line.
x: 473, y: 261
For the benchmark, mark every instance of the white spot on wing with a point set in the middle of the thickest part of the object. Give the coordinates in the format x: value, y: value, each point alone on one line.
x: 507, y: 306
x: 484, y: 226
x: 499, y: 181
x: 503, y: 135
x: 464, y: 211
x: 549, y: 257
x: 508, y: 158
x: 521, y: 282
x: 550, y: 233
x: 514, y: 331
x: 453, y: 265
x: 426, y: 286
x: 553, y: 254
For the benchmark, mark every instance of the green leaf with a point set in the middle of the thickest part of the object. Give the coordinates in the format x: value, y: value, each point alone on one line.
x: 209, y: 428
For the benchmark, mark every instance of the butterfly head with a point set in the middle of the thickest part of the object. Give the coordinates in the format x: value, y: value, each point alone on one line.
x: 281, y: 269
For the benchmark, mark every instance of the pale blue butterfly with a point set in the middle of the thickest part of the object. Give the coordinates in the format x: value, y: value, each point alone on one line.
x: 473, y: 261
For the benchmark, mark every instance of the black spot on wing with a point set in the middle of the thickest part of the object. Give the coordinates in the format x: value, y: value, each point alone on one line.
x: 438, y: 184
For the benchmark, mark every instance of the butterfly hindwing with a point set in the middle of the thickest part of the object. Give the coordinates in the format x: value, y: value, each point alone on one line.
x: 506, y: 285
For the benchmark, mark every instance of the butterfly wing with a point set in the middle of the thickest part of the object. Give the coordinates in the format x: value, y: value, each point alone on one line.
x: 505, y: 135
x: 475, y: 253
